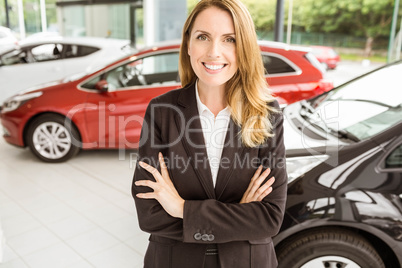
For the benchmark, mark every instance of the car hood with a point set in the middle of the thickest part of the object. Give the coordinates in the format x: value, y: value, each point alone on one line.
x: 295, y: 139
x: 38, y: 87
x: 45, y: 86
x: 299, y: 134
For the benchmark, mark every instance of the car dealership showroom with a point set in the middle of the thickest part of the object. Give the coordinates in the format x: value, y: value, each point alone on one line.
x: 76, y: 78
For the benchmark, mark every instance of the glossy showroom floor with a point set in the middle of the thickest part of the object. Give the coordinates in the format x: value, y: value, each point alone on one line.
x: 76, y: 214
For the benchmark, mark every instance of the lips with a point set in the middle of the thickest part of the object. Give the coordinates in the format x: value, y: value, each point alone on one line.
x: 214, y: 67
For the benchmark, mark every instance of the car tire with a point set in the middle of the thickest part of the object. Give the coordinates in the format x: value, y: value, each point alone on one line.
x: 53, y: 138
x: 328, y: 248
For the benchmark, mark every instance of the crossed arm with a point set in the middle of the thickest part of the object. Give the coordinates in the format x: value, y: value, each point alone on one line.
x: 163, y: 212
x: 166, y: 194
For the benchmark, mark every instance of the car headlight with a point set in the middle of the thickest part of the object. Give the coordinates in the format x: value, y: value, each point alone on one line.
x: 297, y: 166
x: 14, y: 102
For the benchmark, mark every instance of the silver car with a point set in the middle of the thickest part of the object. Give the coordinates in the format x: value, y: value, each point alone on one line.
x: 7, y: 39
x: 48, y: 59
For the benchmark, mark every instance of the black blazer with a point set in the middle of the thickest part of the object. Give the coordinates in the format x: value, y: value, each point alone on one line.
x: 242, y: 232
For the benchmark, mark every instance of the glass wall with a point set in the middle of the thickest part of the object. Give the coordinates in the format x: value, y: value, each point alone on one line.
x: 112, y: 20
x: 13, y: 14
x: 119, y: 21
x: 100, y: 20
x: 73, y: 21
x: 32, y: 15
x: 160, y: 24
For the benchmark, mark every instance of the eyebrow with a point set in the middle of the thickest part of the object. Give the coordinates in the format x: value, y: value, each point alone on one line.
x: 207, y: 33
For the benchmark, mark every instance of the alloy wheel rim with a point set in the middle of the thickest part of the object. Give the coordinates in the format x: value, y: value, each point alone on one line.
x: 51, y: 140
x: 330, y: 262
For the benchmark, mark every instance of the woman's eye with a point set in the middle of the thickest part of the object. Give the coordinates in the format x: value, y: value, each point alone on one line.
x: 202, y: 37
x: 231, y: 40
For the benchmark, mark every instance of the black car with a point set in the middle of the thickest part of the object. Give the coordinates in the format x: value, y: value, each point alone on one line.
x: 344, y: 157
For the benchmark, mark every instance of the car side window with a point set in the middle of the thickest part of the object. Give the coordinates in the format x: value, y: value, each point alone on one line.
x: 17, y: 56
x: 148, y: 71
x: 73, y: 51
x: 394, y: 159
x: 47, y: 52
x: 153, y: 70
x: 159, y: 69
x: 276, y: 65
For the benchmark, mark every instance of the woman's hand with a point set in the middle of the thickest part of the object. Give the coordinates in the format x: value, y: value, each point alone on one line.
x: 256, y: 191
x: 164, y: 190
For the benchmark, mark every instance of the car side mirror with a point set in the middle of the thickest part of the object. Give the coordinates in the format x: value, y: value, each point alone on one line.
x: 102, y: 86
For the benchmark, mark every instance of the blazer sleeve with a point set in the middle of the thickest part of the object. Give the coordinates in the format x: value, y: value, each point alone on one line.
x: 152, y: 217
x: 225, y: 222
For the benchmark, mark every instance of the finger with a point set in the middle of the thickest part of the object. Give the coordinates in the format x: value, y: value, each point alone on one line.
x: 255, y: 176
x: 265, y: 194
x: 263, y: 188
x: 147, y: 183
x: 267, y: 171
x: 270, y: 181
x: 150, y: 195
x: 257, y: 173
x: 155, y: 173
x: 164, y: 170
x: 258, y: 181
x: 262, y: 191
x: 262, y: 177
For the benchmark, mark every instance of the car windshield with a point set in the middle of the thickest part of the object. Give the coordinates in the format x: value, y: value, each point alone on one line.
x: 74, y: 77
x: 366, y: 106
x: 14, y: 57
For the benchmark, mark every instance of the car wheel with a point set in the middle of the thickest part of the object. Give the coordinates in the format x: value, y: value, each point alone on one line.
x: 51, y: 139
x: 328, y: 248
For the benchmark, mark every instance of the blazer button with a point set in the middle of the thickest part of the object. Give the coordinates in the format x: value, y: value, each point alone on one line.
x: 197, y: 236
x: 205, y: 237
x: 211, y: 237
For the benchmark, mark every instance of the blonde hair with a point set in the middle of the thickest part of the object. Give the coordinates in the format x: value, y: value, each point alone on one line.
x: 247, y: 91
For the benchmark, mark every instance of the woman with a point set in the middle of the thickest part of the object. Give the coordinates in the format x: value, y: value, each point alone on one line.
x: 211, y: 152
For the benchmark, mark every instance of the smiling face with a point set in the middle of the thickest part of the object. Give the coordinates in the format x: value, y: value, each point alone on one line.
x: 212, y: 48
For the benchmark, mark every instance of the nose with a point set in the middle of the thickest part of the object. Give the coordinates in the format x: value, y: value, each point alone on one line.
x: 214, y: 49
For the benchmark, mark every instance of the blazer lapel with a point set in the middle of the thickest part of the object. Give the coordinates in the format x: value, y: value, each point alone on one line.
x: 189, y: 125
x: 233, y: 148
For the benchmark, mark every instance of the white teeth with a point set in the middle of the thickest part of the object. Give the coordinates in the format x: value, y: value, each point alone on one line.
x: 214, y: 67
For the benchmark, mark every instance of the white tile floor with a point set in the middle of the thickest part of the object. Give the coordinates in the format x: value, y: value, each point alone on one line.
x: 76, y: 214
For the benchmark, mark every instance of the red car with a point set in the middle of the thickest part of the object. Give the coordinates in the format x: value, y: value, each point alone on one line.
x: 104, y: 109
x: 327, y: 56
